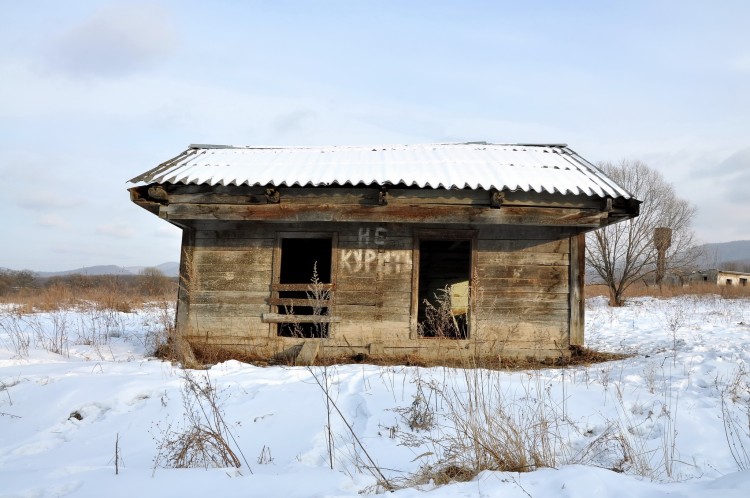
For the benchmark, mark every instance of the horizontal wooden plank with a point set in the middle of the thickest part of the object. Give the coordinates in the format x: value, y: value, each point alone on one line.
x: 233, y: 244
x: 329, y: 195
x: 229, y: 310
x: 489, y: 321
x: 521, y: 259
x: 387, y: 243
x: 251, y: 257
x: 373, y: 297
x: 235, y: 325
x: 398, y: 307
x: 193, y: 189
x: 303, y: 287
x: 412, y: 214
x: 561, y: 246
x: 249, y: 273
x: 255, y: 271
x: 369, y: 195
x: 230, y: 297
x: 217, y: 198
x: 545, y: 273
x: 290, y: 302
x: 520, y: 308
x: 369, y: 314
x: 356, y: 332
x: 282, y: 318
x: 490, y: 296
x: 510, y: 305
x: 246, y: 279
x: 239, y: 227
x: 454, y: 197
x: 373, y: 233
x: 531, y: 313
x: 495, y: 286
x: 253, y: 229
x: 520, y: 232
x: 389, y: 283
x: 366, y: 232
x: 258, y: 238
x: 333, y: 195
x: 151, y: 207
x: 533, y: 348
x: 233, y: 281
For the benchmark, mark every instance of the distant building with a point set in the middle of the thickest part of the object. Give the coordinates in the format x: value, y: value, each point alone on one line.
x: 383, y: 250
x: 721, y: 277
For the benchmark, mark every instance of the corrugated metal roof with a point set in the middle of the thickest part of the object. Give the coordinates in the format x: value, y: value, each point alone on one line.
x: 528, y: 168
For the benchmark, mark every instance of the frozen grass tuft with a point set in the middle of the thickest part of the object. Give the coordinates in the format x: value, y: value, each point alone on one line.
x: 202, y: 438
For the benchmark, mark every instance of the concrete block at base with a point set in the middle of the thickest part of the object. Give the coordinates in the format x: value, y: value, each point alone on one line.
x: 307, y: 353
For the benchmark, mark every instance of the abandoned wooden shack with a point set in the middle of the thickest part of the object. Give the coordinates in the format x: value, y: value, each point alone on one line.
x: 439, y: 250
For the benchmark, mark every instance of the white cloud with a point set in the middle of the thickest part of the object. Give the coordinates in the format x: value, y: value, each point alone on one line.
x: 117, y: 230
x: 54, y: 221
x: 168, y: 231
x: 117, y: 40
x: 46, y: 200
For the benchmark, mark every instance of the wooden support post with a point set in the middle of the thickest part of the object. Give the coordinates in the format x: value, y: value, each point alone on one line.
x: 577, y: 297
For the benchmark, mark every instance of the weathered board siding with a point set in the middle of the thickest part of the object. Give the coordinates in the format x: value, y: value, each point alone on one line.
x: 520, y: 299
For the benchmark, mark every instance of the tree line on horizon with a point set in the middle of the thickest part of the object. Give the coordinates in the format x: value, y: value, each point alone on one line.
x: 149, y: 282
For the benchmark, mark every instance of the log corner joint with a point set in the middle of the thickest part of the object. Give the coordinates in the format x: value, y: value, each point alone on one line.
x: 496, y: 199
x: 383, y: 196
x: 158, y: 194
x: 272, y: 196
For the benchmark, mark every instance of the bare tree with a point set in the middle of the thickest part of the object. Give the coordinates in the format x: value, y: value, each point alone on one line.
x: 625, y: 252
x: 11, y: 281
x: 153, y: 282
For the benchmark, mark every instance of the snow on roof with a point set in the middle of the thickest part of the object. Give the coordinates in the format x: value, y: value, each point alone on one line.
x: 474, y: 165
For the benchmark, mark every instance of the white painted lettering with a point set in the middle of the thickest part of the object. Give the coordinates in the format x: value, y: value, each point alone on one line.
x: 380, y: 234
x: 364, y: 236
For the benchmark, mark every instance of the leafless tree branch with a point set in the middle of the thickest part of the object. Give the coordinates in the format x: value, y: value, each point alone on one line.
x: 624, y: 253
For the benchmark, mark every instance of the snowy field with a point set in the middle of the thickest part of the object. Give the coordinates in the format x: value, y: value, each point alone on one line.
x: 85, y: 412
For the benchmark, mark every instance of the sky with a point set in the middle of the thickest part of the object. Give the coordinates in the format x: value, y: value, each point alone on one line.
x: 93, y: 93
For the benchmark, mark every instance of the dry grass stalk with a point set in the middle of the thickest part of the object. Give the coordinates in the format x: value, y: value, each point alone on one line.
x: 484, y: 426
x: 440, y: 322
x: 668, y: 291
x: 613, y: 449
x: 735, y: 392
x: 203, y: 438
x: 177, y: 347
x: 371, y: 466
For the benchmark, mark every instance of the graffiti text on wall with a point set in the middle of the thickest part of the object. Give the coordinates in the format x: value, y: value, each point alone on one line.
x: 376, y: 259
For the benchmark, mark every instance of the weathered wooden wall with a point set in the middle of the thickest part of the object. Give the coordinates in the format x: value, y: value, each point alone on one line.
x: 522, y: 288
x: 521, y: 278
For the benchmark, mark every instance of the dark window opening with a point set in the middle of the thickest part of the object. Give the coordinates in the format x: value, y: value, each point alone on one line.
x: 729, y: 281
x: 705, y: 279
x: 743, y: 282
x: 304, y: 290
x: 443, y: 289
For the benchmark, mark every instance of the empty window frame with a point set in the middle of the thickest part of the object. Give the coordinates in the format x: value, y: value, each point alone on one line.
x: 729, y: 281
x: 743, y: 282
x: 303, y: 284
x: 443, y: 268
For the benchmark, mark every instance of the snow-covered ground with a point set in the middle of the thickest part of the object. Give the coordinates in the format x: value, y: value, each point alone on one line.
x: 84, y: 412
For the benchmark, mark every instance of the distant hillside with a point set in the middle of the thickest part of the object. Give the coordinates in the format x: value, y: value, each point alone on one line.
x: 721, y: 255
x: 170, y: 269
